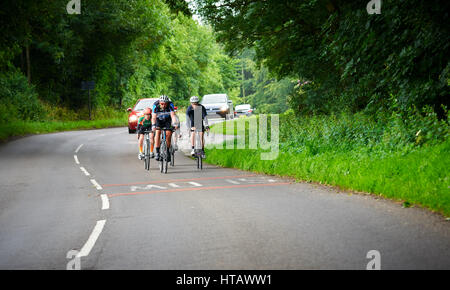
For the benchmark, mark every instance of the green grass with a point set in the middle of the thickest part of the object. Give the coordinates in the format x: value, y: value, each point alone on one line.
x: 22, y: 128
x: 417, y: 175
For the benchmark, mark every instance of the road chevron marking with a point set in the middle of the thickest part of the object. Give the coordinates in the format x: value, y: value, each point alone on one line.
x: 92, y: 239
x: 197, y: 188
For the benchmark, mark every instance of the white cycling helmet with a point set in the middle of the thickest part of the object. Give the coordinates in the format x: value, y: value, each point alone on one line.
x: 164, y: 98
x: 194, y: 99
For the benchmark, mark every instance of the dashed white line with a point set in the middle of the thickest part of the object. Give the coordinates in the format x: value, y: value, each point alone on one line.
x: 76, y: 159
x: 173, y: 185
x: 92, y: 239
x: 78, y: 149
x: 232, y: 181
x: 96, y: 184
x: 195, y: 183
x: 84, y: 171
x: 105, y: 201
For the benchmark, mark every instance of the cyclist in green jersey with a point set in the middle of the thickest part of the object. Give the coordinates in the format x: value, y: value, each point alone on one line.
x: 145, y: 124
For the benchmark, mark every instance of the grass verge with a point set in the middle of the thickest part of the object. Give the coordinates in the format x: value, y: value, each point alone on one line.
x: 22, y: 128
x: 417, y: 177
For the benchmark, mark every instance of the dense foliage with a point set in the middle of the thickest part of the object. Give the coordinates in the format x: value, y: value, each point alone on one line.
x: 130, y: 48
x: 353, y: 60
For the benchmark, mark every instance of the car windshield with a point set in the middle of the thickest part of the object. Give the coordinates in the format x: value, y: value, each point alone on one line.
x: 147, y: 103
x: 243, y: 107
x: 211, y: 99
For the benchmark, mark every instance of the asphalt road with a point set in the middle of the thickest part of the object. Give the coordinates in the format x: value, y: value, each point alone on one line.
x: 123, y: 217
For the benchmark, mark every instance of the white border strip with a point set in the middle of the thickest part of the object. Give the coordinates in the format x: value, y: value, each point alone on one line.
x: 105, y: 201
x: 96, y: 184
x: 76, y: 159
x: 84, y: 171
x: 79, y: 147
x: 92, y: 239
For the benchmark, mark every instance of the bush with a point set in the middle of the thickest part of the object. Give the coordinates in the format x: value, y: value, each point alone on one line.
x: 18, y: 100
x: 345, y: 131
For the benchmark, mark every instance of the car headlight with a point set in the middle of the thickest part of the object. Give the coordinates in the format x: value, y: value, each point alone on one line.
x: 224, y: 108
x: 133, y: 118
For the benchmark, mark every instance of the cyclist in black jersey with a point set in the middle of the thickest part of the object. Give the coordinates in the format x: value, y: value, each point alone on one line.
x: 163, y: 117
x: 195, y: 109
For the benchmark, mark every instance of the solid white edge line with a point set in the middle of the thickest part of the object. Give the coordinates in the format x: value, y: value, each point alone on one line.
x: 92, y: 239
x: 76, y: 159
x: 96, y: 184
x: 78, y: 149
x: 84, y: 171
x: 105, y: 201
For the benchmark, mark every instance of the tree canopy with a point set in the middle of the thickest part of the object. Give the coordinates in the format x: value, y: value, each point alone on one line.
x: 354, y: 60
x: 130, y: 48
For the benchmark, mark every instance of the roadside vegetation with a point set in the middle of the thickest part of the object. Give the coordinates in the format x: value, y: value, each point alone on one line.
x: 367, y: 94
x: 363, y: 98
x: 130, y: 49
x: 405, y: 158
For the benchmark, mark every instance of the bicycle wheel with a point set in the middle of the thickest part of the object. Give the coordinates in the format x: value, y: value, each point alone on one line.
x: 163, y: 157
x: 147, y: 154
x: 172, y: 156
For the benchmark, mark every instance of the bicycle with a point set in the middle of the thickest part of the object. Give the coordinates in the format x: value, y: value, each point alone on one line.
x: 163, y: 163
x: 147, y: 150
x: 198, y: 150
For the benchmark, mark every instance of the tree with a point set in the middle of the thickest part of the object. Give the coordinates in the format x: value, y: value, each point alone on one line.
x: 354, y: 60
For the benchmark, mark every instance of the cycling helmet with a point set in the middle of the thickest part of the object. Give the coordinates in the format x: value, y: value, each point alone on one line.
x: 194, y: 99
x: 164, y: 99
x: 147, y: 111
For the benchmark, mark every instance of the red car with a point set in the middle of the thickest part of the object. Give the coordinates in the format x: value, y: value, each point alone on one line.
x: 138, y: 111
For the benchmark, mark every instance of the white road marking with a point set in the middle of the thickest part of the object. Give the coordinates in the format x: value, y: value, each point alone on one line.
x: 84, y: 171
x: 195, y: 183
x: 232, y: 181
x: 271, y: 180
x: 76, y: 159
x: 92, y: 239
x: 79, y: 147
x: 96, y: 184
x: 105, y: 201
x: 149, y: 186
x: 173, y: 185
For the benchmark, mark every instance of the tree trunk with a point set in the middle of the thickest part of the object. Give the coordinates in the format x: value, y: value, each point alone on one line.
x: 27, y: 49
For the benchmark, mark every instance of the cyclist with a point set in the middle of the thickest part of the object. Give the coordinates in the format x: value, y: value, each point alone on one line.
x: 176, y: 133
x: 163, y: 117
x: 152, y: 136
x: 145, y: 124
x: 196, y: 109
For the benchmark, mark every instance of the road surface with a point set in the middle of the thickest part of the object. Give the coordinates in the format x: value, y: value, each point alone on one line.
x: 87, y: 191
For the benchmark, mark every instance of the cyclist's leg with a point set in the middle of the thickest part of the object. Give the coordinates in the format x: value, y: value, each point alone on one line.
x: 193, y: 139
x: 152, y: 141
x: 168, y: 137
x: 141, y: 143
x: 202, y: 138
